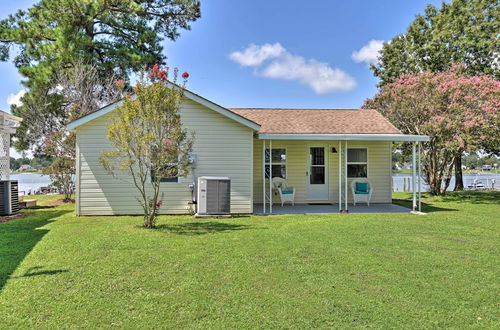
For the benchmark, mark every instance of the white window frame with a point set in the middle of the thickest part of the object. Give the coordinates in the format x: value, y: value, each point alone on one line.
x: 357, y: 163
x: 273, y: 163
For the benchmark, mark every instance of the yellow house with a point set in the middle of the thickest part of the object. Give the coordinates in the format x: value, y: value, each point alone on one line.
x: 321, y: 153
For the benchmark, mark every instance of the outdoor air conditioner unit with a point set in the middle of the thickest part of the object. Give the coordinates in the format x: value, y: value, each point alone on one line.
x: 9, y: 197
x: 214, y: 195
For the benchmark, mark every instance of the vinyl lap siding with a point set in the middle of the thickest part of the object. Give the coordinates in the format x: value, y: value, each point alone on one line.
x: 223, y: 148
x: 379, y: 168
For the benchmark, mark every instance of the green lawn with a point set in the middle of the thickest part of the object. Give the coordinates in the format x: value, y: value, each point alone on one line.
x: 342, y: 271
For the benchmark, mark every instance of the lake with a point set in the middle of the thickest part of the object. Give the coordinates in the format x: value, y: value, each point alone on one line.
x: 485, y: 178
x: 31, y: 182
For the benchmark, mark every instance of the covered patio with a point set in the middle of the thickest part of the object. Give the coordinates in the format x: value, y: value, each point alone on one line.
x: 327, y: 161
x: 330, y: 208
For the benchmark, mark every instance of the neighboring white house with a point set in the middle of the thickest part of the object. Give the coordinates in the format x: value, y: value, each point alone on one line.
x: 307, y: 147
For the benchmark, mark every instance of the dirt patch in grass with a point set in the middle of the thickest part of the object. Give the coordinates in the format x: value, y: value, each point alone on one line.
x: 60, y: 202
x: 15, y: 216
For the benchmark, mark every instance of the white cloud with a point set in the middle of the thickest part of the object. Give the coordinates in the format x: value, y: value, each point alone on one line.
x: 15, y: 99
x: 320, y: 76
x: 255, y: 55
x: 369, y: 53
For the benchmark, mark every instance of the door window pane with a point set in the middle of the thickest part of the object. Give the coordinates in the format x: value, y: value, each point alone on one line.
x: 317, y: 156
x: 317, y: 175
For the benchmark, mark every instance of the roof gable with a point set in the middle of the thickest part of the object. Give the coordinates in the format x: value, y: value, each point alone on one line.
x: 188, y: 94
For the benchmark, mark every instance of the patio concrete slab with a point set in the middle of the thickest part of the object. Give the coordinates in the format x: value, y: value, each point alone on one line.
x: 331, y: 208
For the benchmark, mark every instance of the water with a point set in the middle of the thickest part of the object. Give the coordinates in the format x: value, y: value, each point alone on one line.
x: 30, y: 182
x: 469, y: 179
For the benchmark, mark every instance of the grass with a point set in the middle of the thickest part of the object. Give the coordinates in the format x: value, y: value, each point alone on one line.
x: 292, y: 271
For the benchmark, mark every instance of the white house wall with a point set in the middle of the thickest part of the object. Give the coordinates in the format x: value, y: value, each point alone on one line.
x: 223, y: 148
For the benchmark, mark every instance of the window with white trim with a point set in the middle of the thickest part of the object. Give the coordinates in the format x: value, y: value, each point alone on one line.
x: 357, y: 163
x: 278, y: 162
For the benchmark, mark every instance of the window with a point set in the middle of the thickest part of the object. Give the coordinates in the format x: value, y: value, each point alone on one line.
x: 278, y: 162
x: 357, y: 163
x: 172, y: 179
x: 317, y: 156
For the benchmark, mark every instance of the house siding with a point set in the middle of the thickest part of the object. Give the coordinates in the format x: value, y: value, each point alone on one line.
x: 379, y: 168
x: 223, y: 148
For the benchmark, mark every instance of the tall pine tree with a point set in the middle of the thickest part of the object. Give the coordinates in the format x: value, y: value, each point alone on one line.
x: 117, y: 37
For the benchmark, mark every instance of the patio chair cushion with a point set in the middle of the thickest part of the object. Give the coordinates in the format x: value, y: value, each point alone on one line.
x: 361, y: 192
x: 361, y: 188
x: 288, y: 190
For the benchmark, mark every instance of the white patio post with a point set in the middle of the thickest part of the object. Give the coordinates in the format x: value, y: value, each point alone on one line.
x: 345, y: 175
x: 413, y: 174
x: 264, y: 176
x: 419, y: 178
x: 270, y: 176
x: 340, y: 175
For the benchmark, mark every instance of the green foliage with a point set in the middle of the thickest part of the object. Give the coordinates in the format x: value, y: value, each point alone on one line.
x: 37, y: 162
x: 148, y: 138
x: 61, y: 145
x: 376, y: 271
x: 115, y: 37
x: 458, y: 113
x: 463, y: 31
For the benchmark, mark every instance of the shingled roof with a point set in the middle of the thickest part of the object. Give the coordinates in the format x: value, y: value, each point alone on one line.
x: 318, y: 121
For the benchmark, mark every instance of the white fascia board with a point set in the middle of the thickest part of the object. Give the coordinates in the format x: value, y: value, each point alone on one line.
x: 215, y: 107
x: 346, y: 137
x: 92, y: 116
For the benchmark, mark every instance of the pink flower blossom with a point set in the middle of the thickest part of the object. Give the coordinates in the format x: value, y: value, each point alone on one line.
x: 185, y: 75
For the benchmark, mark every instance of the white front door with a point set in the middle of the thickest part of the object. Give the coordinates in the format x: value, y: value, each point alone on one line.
x: 317, y: 172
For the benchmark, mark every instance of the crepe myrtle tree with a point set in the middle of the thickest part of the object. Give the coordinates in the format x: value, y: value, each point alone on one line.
x: 459, y: 113
x: 149, y: 141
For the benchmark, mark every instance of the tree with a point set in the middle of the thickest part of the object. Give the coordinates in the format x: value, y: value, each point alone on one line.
x: 148, y: 138
x: 115, y: 37
x: 463, y: 31
x: 458, y: 113
x: 62, y: 169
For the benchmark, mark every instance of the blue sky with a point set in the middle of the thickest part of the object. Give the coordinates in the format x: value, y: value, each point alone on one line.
x: 302, y: 53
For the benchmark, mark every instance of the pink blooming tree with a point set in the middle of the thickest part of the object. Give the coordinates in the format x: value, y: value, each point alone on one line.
x: 459, y: 114
x: 150, y: 145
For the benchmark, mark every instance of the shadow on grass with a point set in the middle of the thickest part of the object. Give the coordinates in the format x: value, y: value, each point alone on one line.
x: 35, y: 271
x: 201, y: 228
x: 426, y: 207
x: 18, y: 237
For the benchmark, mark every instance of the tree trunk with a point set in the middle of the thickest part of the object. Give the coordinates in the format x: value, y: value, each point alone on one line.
x: 459, y: 179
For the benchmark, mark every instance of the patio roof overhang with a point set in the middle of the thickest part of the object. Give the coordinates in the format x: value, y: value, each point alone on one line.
x: 345, y: 137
